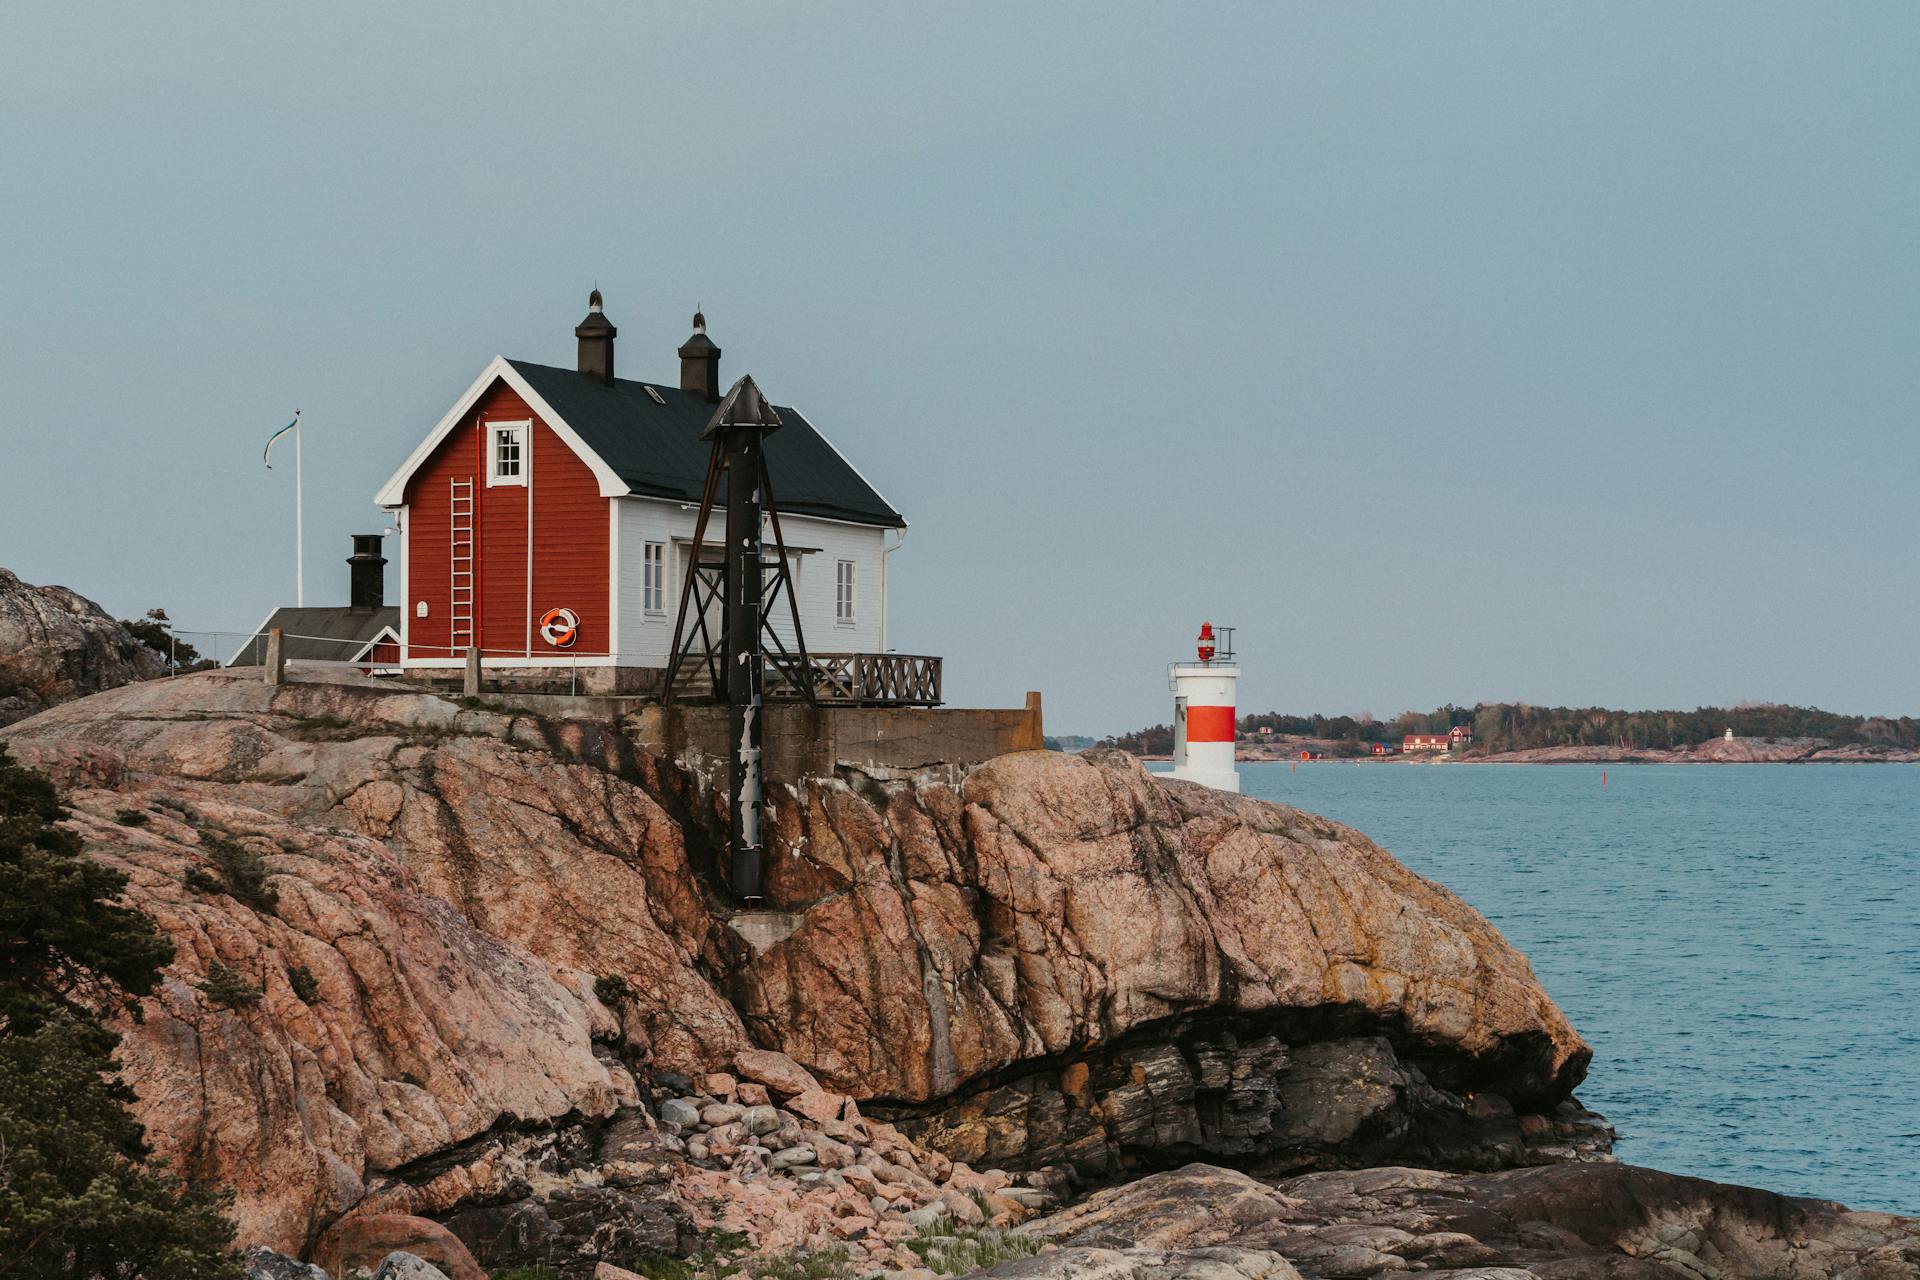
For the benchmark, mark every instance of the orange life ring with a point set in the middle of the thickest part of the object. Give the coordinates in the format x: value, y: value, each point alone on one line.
x: 560, y: 627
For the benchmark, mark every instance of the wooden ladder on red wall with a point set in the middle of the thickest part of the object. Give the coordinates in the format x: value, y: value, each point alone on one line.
x: 460, y: 560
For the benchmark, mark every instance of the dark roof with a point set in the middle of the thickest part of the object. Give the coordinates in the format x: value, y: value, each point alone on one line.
x: 656, y: 449
x: 320, y: 633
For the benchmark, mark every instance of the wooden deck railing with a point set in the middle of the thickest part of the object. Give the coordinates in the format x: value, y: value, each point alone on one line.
x: 871, y: 679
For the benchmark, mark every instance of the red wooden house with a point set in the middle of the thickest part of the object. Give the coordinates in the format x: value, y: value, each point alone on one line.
x: 547, y: 521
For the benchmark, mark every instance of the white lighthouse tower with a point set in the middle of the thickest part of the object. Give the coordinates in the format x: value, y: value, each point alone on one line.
x: 1203, y: 712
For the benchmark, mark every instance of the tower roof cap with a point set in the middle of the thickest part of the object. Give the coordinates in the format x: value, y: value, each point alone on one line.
x: 742, y: 406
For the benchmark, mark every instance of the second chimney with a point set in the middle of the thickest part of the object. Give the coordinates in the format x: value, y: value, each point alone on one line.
x: 368, y: 587
x: 700, y: 363
x: 596, y: 334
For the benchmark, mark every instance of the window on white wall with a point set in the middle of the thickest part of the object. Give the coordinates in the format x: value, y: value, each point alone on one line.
x: 844, y: 592
x: 653, y: 578
x: 506, y: 455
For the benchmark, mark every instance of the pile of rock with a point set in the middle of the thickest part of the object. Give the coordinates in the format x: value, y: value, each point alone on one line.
x: 771, y: 1155
x: 265, y: 1264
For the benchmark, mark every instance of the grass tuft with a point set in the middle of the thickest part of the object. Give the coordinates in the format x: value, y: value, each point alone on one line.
x: 950, y: 1249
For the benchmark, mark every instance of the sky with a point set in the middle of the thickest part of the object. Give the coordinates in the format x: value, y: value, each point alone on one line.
x: 1560, y: 354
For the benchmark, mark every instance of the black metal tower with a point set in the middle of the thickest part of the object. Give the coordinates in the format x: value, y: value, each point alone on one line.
x: 746, y: 590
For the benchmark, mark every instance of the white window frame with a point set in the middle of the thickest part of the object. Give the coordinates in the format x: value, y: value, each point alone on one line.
x: 522, y: 433
x: 846, y: 593
x: 653, y: 579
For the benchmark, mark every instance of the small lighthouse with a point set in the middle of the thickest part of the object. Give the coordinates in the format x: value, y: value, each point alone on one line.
x: 1203, y: 711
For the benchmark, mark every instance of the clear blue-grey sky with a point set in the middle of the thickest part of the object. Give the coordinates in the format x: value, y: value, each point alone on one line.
x: 1554, y: 353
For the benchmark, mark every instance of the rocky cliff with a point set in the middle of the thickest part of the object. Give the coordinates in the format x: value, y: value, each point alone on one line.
x: 56, y: 644
x: 439, y: 960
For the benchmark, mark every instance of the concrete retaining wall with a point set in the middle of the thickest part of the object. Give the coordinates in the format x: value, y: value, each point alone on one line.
x: 815, y: 742
x: 812, y: 742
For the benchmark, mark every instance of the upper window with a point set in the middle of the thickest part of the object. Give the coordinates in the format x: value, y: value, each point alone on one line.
x: 844, y: 594
x: 507, y: 454
x: 653, y: 579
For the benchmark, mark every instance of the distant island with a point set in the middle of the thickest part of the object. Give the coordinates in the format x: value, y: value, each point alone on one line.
x: 1516, y: 732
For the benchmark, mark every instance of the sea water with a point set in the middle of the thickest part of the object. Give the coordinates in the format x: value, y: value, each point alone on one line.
x: 1740, y: 944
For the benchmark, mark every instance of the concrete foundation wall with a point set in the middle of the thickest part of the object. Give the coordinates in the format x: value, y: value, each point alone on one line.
x: 815, y: 742
x: 802, y: 741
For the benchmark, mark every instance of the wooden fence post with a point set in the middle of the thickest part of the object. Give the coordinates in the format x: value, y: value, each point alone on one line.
x: 276, y: 669
x: 471, y: 686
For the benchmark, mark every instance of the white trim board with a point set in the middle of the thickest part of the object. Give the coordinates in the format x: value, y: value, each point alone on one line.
x: 394, y: 491
x: 386, y: 633
x: 538, y: 660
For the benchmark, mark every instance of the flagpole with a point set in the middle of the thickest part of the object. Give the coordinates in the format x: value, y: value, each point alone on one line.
x: 299, y: 524
x: 299, y: 507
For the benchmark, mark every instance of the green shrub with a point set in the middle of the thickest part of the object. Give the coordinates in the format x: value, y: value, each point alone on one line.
x: 130, y: 818
x: 224, y: 986
x: 242, y: 871
x: 664, y: 1266
x: 484, y: 704
x: 203, y: 881
x: 526, y: 1273
x: 613, y: 990
x: 77, y: 1196
x: 324, y: 728
x: 304, y: 984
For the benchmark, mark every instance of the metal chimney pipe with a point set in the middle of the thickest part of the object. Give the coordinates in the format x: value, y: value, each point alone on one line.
x: 367, y: 586
x: 596, y: 334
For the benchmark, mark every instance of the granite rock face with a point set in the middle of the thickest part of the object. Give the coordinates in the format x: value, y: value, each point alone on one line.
x: 1259, y: 1102
x: 442, y: 903
x: 1570, y: 1222
x: 56, y: 644
x: 479, y: 936
x: 1068, y: 960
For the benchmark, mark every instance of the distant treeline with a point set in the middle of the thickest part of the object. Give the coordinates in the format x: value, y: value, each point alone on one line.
x: 1515, y: 726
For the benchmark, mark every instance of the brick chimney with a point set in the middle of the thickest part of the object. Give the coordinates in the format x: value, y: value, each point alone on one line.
x: 700, y: 363
x: 368, y: 564
x: 596, y: 334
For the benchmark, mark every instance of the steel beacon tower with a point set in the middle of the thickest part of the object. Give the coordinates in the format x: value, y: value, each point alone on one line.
x: 736, y: 586
x: 1203, y: 712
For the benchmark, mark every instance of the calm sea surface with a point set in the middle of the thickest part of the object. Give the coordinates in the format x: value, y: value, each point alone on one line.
x: 1739, y: 943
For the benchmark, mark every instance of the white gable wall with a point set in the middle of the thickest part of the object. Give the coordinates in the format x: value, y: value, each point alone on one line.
x: 643, y: 637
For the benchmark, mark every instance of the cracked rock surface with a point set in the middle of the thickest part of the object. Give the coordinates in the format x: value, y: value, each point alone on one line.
x: 1060, y: 965
x: 1567, y: 1222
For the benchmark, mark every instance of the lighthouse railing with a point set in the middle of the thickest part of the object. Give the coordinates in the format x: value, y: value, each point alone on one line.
x: 869, y: 680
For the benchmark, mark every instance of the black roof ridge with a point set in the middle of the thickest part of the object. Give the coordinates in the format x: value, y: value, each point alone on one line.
x: 652, y: 442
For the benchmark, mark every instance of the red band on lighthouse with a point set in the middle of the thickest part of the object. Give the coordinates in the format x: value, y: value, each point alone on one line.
x: 1209, y: 724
